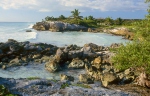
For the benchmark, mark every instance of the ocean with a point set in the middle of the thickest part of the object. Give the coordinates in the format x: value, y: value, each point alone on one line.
x: 17, y: 31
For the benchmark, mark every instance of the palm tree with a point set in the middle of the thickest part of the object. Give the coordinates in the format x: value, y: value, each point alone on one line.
x: 119, y: 21
x: 108, y: 20
x: 75, y: 14
x: 90, y: 17
x: 62, y: 17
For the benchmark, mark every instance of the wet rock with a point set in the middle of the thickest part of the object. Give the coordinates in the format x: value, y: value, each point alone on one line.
x: 76, y: 63
x: 28, y: 30
x: 86, y: 79
x: 65, y: 77
x: 108, y: 78
x: 52, y: 66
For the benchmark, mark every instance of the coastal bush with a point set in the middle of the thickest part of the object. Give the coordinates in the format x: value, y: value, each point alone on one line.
x: 135, y: 54
x: 4, y: 91
x: 64, y: 85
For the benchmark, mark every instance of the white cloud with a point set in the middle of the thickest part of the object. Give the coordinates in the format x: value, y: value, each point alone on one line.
x: 85, y: 5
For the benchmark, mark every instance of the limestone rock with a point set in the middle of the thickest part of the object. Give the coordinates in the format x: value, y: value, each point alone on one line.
x: 143, y: 80
x: 109, y: 78
x: 65, y: 77
x: 86, y: 78
x: 97, y: 62
x: 76, y: 63
x: 52, y: 66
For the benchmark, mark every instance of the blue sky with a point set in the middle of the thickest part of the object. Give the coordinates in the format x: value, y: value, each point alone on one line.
x: 36, y: 10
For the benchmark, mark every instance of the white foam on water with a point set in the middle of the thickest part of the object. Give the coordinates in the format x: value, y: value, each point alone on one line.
x: 19, y: 36
x: 30, y: 26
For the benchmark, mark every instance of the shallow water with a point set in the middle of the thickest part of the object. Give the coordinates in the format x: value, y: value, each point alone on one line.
x: 17, y: 31
x: 37, y: 70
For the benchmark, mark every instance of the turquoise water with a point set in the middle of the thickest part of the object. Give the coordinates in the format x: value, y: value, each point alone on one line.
x: 17, y: 31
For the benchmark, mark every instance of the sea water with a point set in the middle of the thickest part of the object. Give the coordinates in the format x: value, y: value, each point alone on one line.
x: 17, y: 31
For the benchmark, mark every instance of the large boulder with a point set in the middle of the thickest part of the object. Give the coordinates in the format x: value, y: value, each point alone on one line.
x: 66, y: 77
x: 75, y: 54
x: 84, y: 78
x: 108, y: 78
x: 88, y: 53
x: 52, y: 66
x: 76, y: 63
x: 60, y: 55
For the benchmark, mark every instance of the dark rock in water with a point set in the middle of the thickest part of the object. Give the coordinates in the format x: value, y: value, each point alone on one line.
x: 86, y: 79
x: 28, y: 30
x: 65, y: 77
x: 108, y: 78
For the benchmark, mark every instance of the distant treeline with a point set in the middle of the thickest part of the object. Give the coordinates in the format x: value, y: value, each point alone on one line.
x: 90, y: 21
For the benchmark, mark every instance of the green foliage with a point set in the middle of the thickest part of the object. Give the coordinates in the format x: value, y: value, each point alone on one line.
x: 33, y: 78
x: 82, y: 85
x: 135, y: 54
x: 64, y: 85
x: 4, y: 91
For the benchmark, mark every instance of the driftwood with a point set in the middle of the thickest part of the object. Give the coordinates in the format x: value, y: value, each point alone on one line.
x: 143, y: 80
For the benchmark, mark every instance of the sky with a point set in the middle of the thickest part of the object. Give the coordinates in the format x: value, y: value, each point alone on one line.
x: 36, y: 10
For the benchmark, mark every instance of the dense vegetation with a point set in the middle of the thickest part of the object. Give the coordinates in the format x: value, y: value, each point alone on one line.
x: 137, y: 53
x: 90, y: 21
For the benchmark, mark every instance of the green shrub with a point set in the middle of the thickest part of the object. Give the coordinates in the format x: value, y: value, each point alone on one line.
x: 4, y: 91
x: 64, y: 85
x: 135, y: 54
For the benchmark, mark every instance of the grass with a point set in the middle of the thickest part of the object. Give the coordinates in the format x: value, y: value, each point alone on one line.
x: 63, y: 86
x: 82, y: 85
x: 33, y: 78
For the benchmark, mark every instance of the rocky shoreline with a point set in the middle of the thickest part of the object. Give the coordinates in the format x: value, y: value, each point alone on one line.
x: 94, y: 59
x: 57, y: 26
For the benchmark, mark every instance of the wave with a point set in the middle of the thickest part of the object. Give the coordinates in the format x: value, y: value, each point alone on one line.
x: 19, y: 36
x: 30, y: 26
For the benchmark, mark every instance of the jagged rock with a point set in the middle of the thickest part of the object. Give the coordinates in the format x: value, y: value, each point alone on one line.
x: 16, y: 60
x: 46, y: 58
x: 76, y: 63
x: 97, y: 62
x: 143, y: 80
x: 60, y: 55
x: 36, y: 56
x: 75, y: 54
x: 57, y: 26
x: 108, y: 78
x: 86, y: 79
x: 52, y: 66
x: 65, y: 77
x: 87, y: 53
